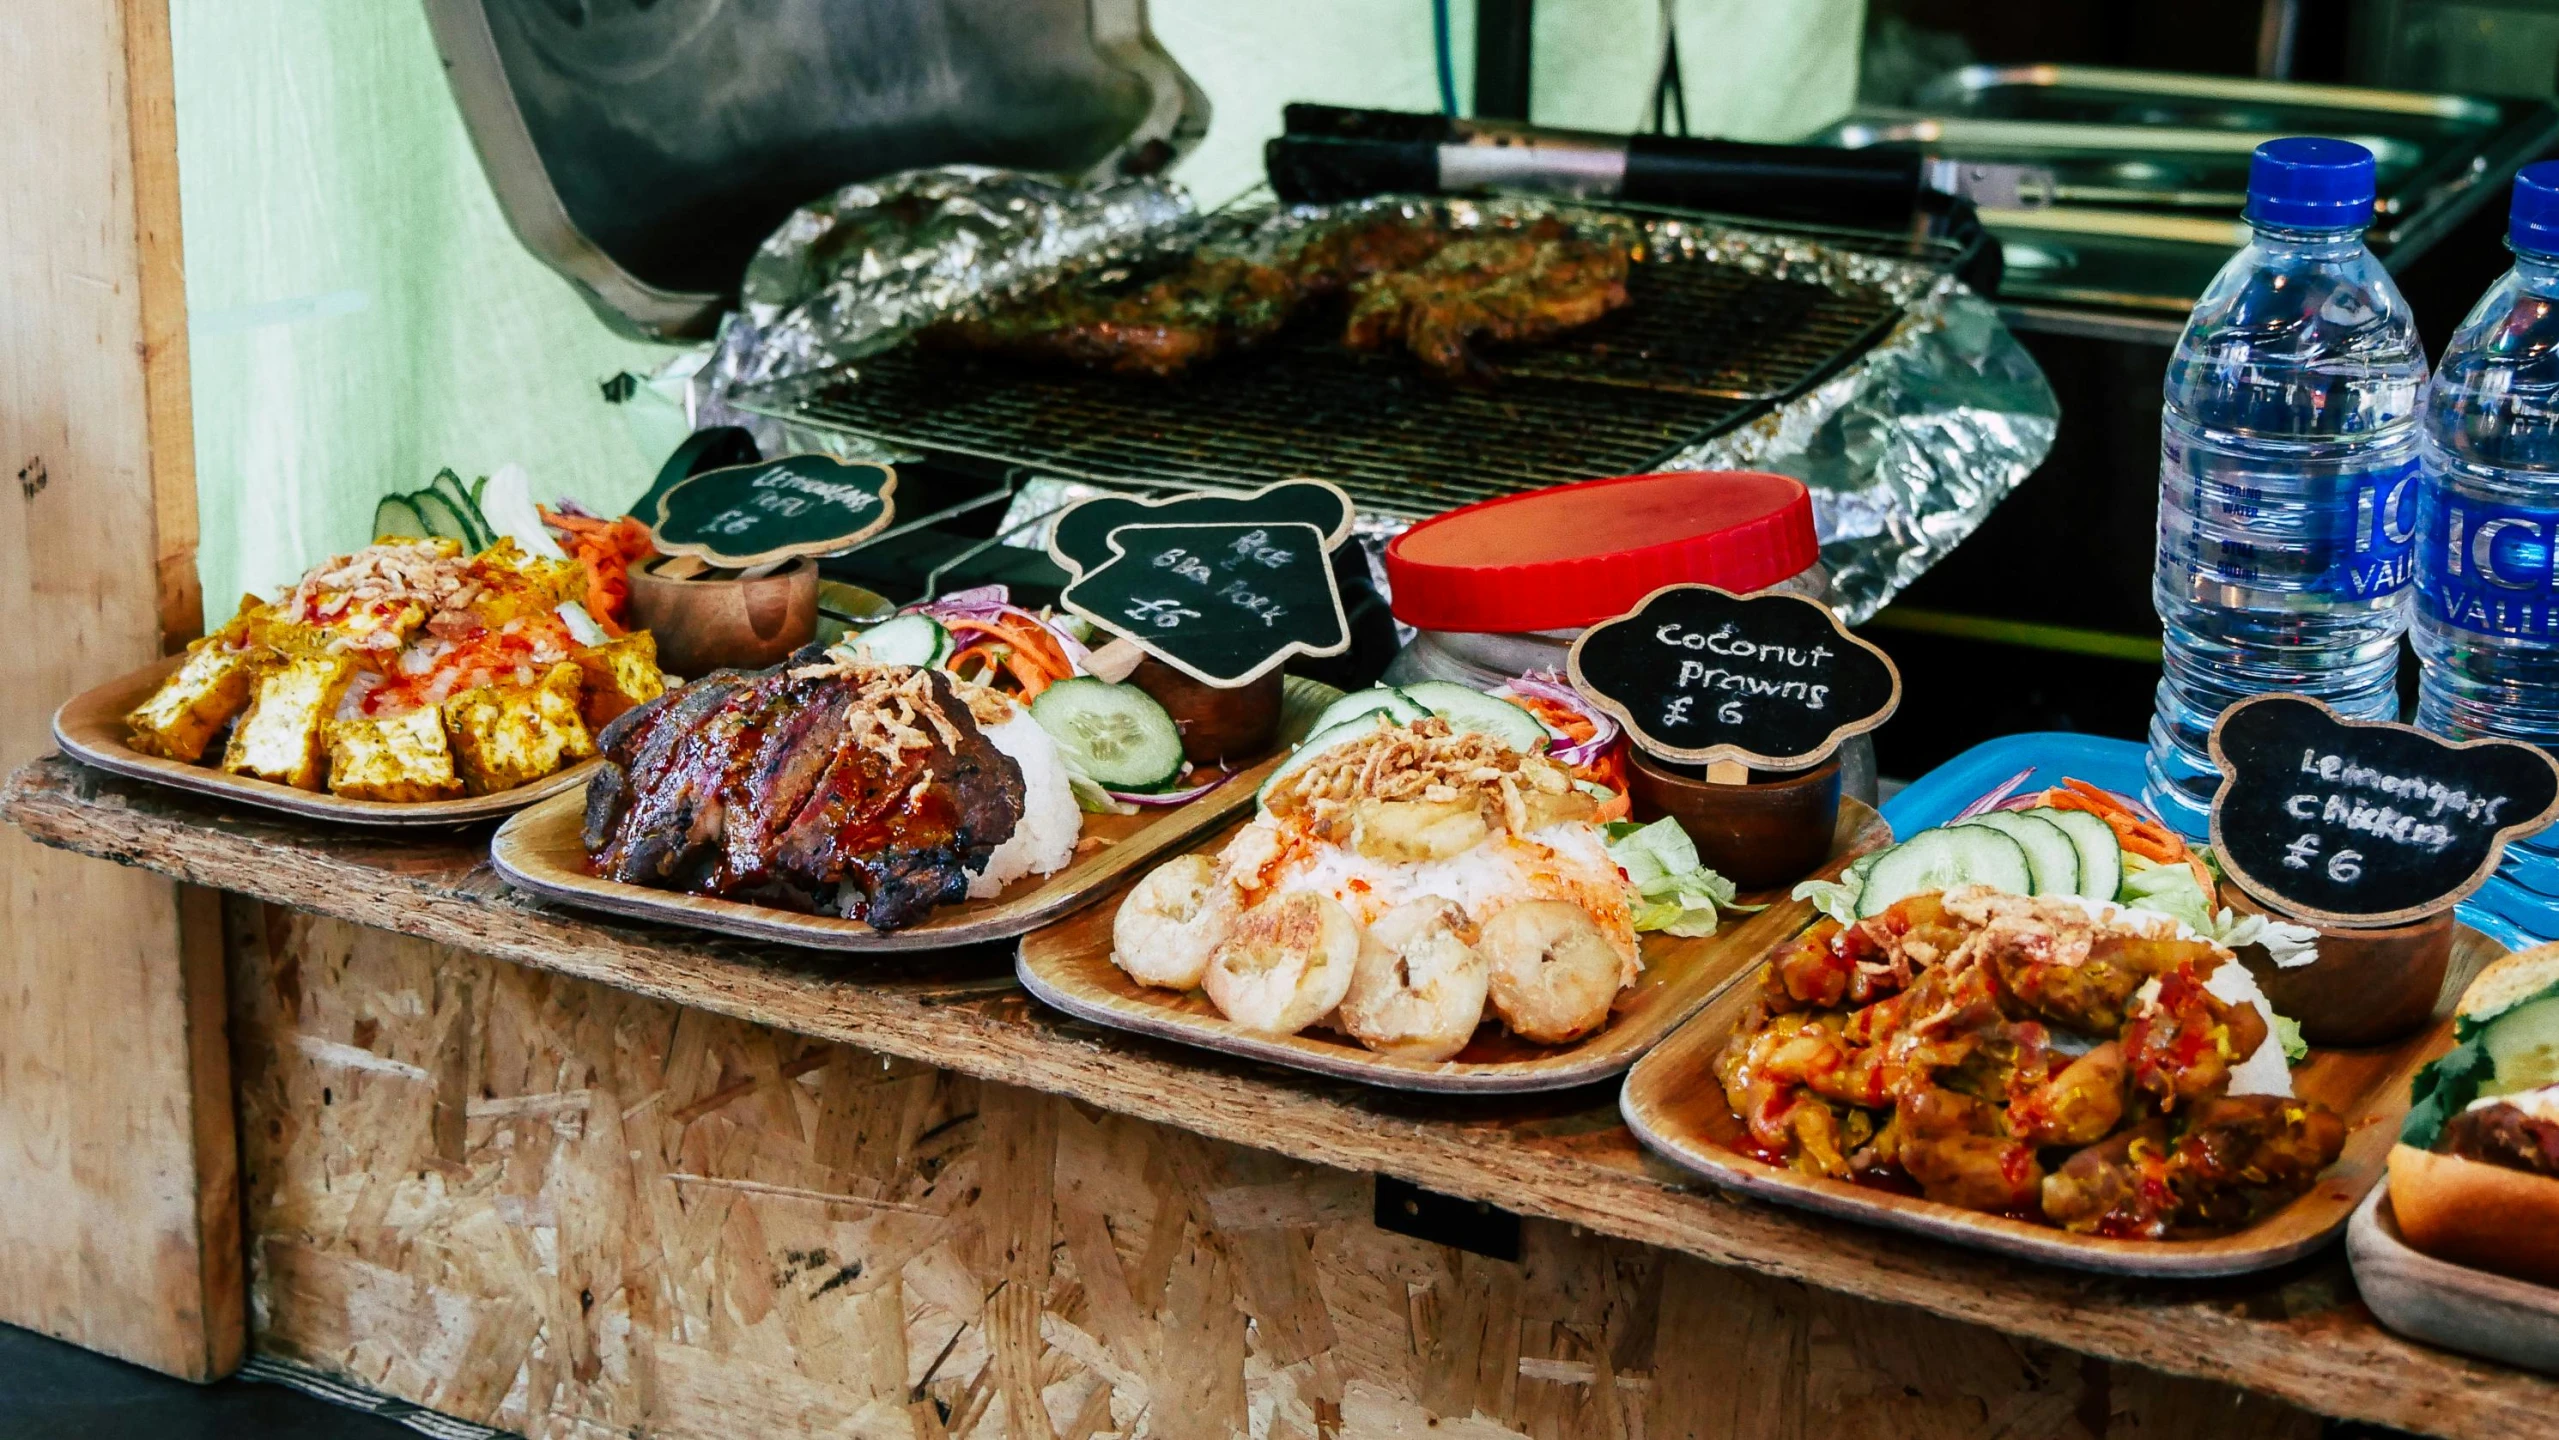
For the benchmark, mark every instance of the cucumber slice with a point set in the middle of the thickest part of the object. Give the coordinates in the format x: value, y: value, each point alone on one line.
x: 1943, y: 859
x: 1479, y: 713
x: 1866, y: 862
x: 2050, y: 855
x: 2523, y: 1046
x: 439, y: 517
x: 2101, y: 858
x: 907, y: 640
x: 1383, y: 700
x: 396, y: 518
x: 1319, y: 742
x: 476, y: 532
x: 1116, y: 734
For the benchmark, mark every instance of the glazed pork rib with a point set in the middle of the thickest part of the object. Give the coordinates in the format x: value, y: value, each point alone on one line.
x: 865, y: 791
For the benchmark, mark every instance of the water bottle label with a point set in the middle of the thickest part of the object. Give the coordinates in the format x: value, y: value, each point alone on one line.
x: 2486, y: 567
x: 2379, y: 557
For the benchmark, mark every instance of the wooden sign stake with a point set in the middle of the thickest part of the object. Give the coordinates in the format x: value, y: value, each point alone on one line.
x: 1116, y: 661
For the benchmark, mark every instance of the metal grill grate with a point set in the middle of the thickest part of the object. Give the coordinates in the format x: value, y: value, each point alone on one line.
x: 1700, y: 348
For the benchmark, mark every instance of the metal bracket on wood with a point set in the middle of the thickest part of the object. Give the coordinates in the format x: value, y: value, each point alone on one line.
x: 1446, y: 1220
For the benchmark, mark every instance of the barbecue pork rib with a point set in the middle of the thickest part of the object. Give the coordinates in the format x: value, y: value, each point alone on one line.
x: 864, y: 791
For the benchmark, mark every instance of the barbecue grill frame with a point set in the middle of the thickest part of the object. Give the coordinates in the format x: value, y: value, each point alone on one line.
x: 1067, y: 419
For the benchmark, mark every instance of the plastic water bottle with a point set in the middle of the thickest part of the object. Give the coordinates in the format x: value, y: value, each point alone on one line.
x: 2287, y: 472
x: 2487, y: 623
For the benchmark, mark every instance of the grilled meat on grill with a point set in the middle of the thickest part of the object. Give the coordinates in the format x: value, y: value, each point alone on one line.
x: 1211, y: 305
x: 1510, y: 289
x: 1410, y: 280
x: 864, y: 790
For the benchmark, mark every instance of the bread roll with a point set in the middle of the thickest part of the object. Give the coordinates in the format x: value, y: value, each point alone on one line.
x: 2484, y: 1216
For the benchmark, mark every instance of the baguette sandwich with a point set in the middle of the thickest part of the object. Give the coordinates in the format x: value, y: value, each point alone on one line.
x: 2474, y: 1178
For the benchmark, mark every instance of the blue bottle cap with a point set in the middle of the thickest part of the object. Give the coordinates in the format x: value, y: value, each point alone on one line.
x: 2532, y: 224
x: 2309, y: 182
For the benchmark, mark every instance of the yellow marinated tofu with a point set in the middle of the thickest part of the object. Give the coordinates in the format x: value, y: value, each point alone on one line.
x: 279, y: 738
x: 505, y: 584
x: 191, y: 706
x: 619, y: 675
x: 509, y: 735
x: 402, y: 759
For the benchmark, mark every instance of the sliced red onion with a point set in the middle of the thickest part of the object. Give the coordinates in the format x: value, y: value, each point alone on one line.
x: 1547, y: 685
x: 1991, y: 801
x: 1170, y: 797
x: 568, y: 505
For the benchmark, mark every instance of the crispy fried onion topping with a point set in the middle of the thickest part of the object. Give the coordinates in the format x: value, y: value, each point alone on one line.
x: 1422, y: 760
x: 891, y: 708
x: 393, y: 572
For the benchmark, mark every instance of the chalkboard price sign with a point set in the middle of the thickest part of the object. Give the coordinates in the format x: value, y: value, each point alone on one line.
x: 1081, y: 540
x: 1222, y: 603
x: 747, y: 515
x: 1702, y: 675
x: 2361, y: 822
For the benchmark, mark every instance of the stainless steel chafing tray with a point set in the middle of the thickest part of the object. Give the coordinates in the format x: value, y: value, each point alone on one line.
x: 2150, y: 172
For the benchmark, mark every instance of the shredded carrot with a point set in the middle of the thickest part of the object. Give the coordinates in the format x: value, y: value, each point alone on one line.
x: 1557, y: 716
x: 606, y: 550
x: 2142, y: 836
x: 1615, y: 807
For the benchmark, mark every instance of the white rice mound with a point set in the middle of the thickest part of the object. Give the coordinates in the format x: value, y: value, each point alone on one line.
x: 1045, y: 839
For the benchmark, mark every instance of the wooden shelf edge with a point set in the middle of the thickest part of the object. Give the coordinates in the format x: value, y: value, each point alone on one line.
x: 2298, y: 1333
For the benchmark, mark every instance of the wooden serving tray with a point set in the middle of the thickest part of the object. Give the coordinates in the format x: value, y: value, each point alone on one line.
x: 1674, y: 1105
x: 1069, y: 966
x: 2492, y: 1316
x: 90, y: 728
x: 540, y: 850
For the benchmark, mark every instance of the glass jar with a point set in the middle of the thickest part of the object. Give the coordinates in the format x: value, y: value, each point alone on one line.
x: 1505, y: 587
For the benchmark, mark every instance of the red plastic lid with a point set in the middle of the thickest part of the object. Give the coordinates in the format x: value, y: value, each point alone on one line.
x: 1575, y: 555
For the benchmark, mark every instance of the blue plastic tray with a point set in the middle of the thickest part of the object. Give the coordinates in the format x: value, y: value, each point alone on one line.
x: 2502, y: 910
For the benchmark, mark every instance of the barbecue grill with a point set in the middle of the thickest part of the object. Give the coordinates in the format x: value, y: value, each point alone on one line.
x: 1703, y: 346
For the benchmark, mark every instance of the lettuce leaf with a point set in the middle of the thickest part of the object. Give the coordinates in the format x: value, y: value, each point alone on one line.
x: 1834, y: 898
x: 1675, y: 892
x: 2170, y: 890
x: 2288, y: 1035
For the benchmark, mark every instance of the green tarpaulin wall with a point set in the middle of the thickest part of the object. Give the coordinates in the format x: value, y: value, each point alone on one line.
x: 360, y: 315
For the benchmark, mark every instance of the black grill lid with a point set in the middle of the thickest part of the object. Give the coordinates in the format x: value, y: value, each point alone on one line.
x: 644, y: 148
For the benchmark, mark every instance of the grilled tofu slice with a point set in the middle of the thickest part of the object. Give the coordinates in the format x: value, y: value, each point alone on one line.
x: 510, y: 735
x: 620, y: 674
x: 406, y: 759
x: 191, y: 706
x: 279, y: 738
x: 503, y: 583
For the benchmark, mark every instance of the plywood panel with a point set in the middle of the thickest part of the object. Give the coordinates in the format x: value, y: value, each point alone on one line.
x: 660, y: 1222
x: 2298, y: 1333
x: 117, y: 1220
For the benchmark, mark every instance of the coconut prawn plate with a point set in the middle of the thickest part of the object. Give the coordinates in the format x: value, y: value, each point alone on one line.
x: 1454, y: 922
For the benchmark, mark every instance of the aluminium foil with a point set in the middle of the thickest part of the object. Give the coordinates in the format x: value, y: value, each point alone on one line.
x: 1906, y: 448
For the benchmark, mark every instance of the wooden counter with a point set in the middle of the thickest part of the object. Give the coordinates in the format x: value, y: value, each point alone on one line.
x: 2298, y: 1334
